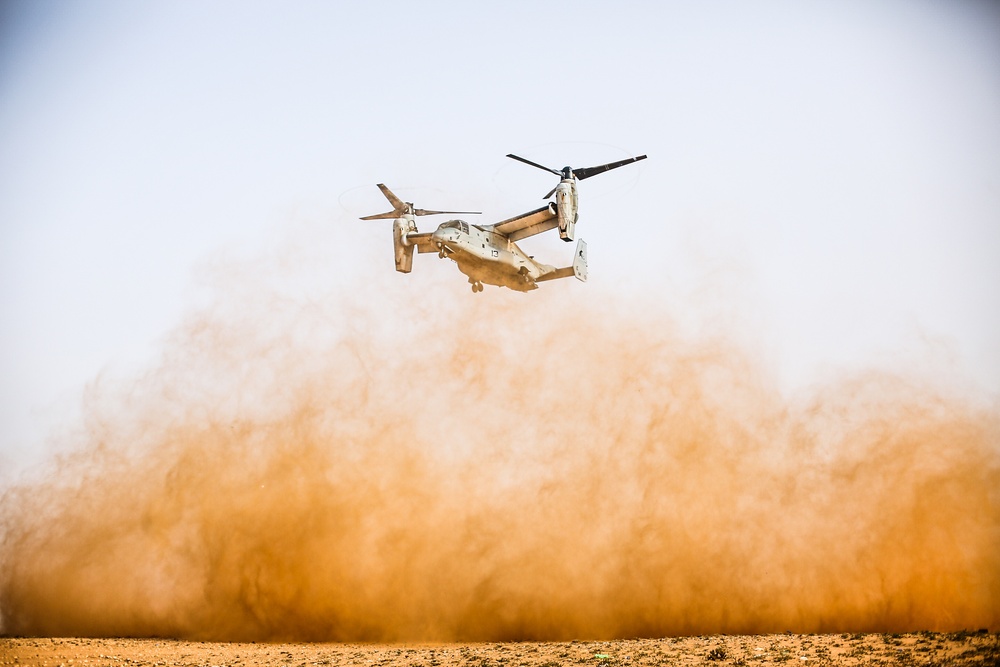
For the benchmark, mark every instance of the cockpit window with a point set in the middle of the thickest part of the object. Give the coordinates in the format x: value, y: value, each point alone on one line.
x: 456, y: 224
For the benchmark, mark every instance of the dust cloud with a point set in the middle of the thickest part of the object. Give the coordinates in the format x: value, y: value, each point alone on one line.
x: 367, y: 465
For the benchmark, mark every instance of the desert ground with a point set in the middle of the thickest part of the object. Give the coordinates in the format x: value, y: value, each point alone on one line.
x: 925, y: 648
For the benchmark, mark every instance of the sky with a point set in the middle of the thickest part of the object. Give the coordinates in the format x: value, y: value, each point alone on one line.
x: 822, y: 176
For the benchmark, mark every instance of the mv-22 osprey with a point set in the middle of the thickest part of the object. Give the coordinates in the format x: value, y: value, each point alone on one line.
x: 488, y: 253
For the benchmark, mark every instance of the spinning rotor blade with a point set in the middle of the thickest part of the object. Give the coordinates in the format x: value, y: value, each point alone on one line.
x: 401, y: 208
x: 391, y: 215
x: 533, y: 164
x: 578, y: 174
x: 587, y: 172
x: 396, y: 202
x: 417, y: 211
x: 420, y: 211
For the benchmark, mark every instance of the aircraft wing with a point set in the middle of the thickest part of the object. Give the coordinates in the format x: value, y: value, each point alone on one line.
x: 528, y: 224
x: 422, y: 240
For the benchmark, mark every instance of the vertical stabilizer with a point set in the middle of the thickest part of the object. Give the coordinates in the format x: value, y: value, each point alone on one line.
x: 580, y: 261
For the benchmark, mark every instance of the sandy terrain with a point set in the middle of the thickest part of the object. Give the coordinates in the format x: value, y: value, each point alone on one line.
x: 760, y: 650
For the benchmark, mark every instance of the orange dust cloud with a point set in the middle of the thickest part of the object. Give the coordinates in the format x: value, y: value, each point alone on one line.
x: 563, y: 464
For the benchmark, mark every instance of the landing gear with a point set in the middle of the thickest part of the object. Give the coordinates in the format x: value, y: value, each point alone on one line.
x: 477, y: 287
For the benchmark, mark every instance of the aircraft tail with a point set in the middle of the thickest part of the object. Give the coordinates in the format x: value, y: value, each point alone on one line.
x: 579, y: 268
x: 580, y: 261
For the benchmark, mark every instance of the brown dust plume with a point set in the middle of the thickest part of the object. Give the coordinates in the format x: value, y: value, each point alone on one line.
x: 371, y: 466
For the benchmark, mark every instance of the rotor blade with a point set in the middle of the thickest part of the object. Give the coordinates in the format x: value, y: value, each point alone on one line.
x: 383, y: 216
x: 587, y: 172
x: 533, y: 164
x: 552, y: 191
x: 397, y: 203
x: 420, y: 211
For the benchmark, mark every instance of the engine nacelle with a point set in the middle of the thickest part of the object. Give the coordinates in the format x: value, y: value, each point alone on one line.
x: 566, y: 209
x: 403, y: 250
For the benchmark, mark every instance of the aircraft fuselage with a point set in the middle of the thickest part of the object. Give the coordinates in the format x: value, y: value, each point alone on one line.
x: 487, y: 257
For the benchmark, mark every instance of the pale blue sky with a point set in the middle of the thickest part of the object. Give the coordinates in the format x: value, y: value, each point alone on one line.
x: 836, y: 163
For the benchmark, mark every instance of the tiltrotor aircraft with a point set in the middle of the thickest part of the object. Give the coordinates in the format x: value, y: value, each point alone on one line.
x: 488, y: 253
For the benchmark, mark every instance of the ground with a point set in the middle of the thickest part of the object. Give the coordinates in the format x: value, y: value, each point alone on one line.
x: 925, y: 648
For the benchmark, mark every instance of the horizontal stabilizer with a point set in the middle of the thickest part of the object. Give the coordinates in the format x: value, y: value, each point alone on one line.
x: 556, y: 275
x: 579, y: 268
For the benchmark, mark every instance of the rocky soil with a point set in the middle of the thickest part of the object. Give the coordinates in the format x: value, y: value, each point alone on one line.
x: 962, y: 648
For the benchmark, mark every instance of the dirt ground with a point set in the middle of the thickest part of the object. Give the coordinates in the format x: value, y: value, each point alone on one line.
x: 962, y: 648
